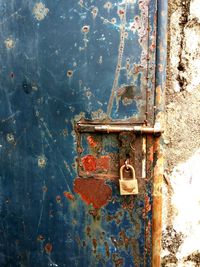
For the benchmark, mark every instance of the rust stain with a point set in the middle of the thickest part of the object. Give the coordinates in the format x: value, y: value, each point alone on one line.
x: 128, y: 203
x: 147, y: 207
x: 88, y: 231
x: 95, y: 213
x: 68, y: 195
x: 89, y: 163
x: 121, y: 12
x: 148, y: 236
x: 103, y: 163
x: 91, y: 141
x: 157, y: 204
x: 118, y: 261
x: 107, y: 249
x: 151, y: 153
x: 93, y: 191
x: 124, y: 238
x: 48, y: 248
x: 158, y: 94
x: 94, y: 241
x: 116, y: 217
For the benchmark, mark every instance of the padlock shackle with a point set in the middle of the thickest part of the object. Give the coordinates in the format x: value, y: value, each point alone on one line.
x: 129, y: 167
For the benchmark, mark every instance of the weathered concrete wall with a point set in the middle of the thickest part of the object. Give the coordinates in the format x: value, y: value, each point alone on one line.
x: 181, y: 220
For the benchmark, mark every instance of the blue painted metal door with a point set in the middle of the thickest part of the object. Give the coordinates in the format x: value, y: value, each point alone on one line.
x: 65, y: 62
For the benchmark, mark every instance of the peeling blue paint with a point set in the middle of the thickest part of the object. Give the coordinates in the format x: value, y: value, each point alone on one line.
x: 61, y: 61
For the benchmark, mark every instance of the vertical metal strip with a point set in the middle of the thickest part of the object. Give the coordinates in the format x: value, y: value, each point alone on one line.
x: 161, y: 58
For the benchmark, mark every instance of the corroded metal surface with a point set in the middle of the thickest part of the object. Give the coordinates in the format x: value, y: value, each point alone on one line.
x: 64, y: 62
x: 159, y: 119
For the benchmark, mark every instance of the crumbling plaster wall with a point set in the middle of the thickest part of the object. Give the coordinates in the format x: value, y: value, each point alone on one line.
x: 181, y: 191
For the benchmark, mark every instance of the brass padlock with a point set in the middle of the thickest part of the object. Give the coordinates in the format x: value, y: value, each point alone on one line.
x: 128, y: 187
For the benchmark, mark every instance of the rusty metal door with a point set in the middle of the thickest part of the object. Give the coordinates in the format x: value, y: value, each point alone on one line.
x: 79, y: 97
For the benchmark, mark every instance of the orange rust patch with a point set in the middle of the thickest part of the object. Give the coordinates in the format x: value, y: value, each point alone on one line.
x: 88, y: 231
x: 147, y: 207
x: 68, y: 195
x: 151, y: 153
x: 94, y: 241
x: 93, y: 191
x: 91, y: 141
x: 158, y: 94
x: 103, y: 163
x: 89, y: 163
x: 107, y: 249
x: 48, y: 248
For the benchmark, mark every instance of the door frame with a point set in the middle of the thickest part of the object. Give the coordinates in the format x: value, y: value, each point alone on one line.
x: 161, y: 63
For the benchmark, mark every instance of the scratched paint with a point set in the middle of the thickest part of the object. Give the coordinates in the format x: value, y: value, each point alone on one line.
x: 62, y: 62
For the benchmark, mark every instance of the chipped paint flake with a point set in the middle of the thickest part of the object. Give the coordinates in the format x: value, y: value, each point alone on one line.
x: 42, y: 161
x: 10, y: 138
x: 40, y: 11
x: 9, y: 43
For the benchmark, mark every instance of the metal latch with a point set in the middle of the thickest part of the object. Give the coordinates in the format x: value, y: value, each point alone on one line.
x: 116, y: 128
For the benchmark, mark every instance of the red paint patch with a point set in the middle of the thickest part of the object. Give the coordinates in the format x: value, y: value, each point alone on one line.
x: 68, y: 195
x: 103, y: 163
x: 93, y: 191
x: 89, y: 163
x: 48, y: 248
x: 91, y: 141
